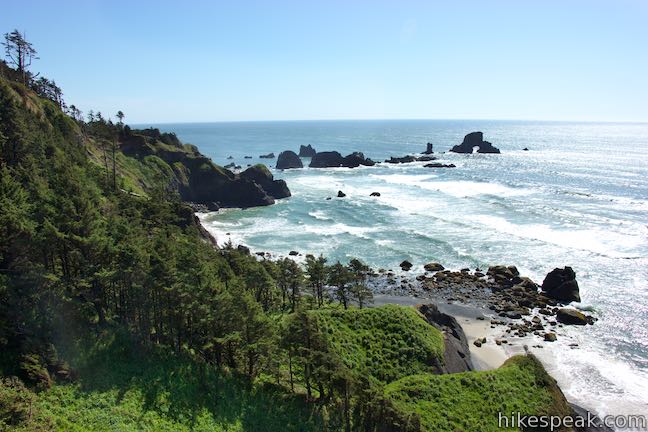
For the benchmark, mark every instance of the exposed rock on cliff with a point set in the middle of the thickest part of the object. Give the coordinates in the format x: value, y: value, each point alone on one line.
x: 457, y: 353
x: 288, y: 159
x: 306, y: 151
x: 472, y: 140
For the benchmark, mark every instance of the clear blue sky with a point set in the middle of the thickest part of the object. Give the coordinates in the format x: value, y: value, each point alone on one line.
x: 182, y: 61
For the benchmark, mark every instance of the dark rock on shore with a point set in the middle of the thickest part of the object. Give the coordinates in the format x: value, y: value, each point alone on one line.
x: 375, y: 194
x: 429, y: 149
x: 525, y: 149
x: 230, y: 165
x: 288, y: 159
x: 597, y: 426
x: 243, y: 249
x: 306, y: 151
x: 472, y: 140
x: 433, y: 267
x: 341, y: 194
x: 571, y: 317
x: 333, y: 159
x: 561, y: 284
x: 406, y: 265
x: 439, y: 165
x: 293, y: 253
x: 457, y: 353
x: 268, y: 156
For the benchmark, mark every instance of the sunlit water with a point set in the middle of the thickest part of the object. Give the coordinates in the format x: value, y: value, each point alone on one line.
x: 578, y: 197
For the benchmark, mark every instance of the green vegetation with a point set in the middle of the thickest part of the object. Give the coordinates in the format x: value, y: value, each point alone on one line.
x: 118, y: 313
x: 471, y: 401
x: 385, y: 343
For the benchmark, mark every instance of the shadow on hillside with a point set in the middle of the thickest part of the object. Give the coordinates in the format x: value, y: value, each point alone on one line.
x: 182, y: 390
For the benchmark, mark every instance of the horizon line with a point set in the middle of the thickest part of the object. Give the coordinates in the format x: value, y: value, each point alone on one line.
x: 641, y: 122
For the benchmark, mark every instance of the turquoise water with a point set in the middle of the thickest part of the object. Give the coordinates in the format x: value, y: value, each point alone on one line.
x: 578, y: 197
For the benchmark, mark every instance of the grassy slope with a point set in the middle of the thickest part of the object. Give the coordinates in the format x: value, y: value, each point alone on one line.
x: 387, y: 342
x: 471, y: 401
x: 123, y: 390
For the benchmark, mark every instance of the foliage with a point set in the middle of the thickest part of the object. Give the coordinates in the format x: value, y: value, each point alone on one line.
x: 472, y: 400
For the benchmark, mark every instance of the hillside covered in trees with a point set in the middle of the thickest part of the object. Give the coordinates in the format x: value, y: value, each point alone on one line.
x: 117, y: 312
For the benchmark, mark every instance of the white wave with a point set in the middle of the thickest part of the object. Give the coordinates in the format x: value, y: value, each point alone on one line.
x: 340, y: 228
x: 319, y: 215
x: 457, y: 188
x: 593, y: 240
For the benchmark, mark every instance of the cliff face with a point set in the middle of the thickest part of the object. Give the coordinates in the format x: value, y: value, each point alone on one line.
x: 195, y: 177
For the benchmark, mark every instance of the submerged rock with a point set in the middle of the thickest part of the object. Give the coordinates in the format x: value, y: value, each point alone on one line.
x: 375, y: 194
x: 472, y: 140
x: 561, y: 284
x: 288, y: 159
x: 439, y: 165
x: 306, y: 151
x: 268, y: 156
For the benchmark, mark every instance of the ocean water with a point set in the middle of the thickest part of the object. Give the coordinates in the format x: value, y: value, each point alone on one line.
x: 578, y: 197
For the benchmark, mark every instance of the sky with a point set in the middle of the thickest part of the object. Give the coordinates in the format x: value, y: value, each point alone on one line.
x: 199, y: 61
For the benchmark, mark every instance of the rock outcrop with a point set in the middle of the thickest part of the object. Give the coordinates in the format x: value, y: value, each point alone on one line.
x: 267, y: 156
x: 341, y: 194
x: 429, y: 150
x: 457, y: 353
x: 572, y: 317
x: 561, y: 284
x: 288, y: 159
x: 472, y: 140
x: 333, y: 159
x: 261, y: 175
x: 306, y: 151
x: 409, y: 159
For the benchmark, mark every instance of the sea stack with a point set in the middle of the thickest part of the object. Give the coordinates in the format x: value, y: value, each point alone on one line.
x: 472, y: 140
x: 288, y: 159
x: 306, y: 151
x: 429, y: 149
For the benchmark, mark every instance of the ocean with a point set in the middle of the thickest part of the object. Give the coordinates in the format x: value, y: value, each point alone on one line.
x: 578, y: 197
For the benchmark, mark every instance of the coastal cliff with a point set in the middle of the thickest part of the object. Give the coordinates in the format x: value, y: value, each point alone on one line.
x: 194, y: 176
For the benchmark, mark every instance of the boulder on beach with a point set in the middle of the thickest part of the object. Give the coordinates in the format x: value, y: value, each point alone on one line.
x: 288, y: 159
x: 267, y: 156
x: 341, y: 194
x: 306, y: 151
x: 472, y: 140
x: 433, y: 267
x: 561, y: 284
x: 429, y: 149
x: 406, y: 265
x: 571, y: 317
